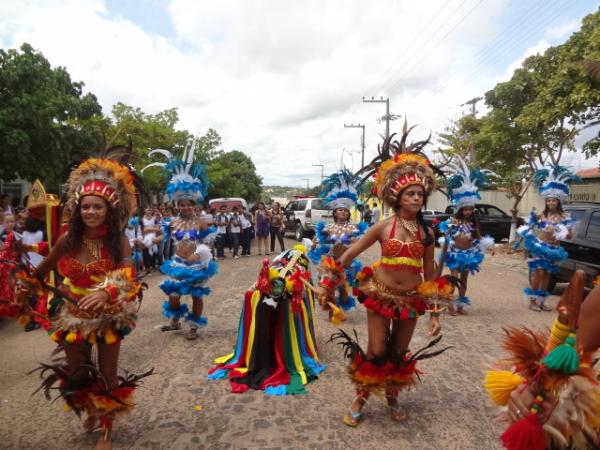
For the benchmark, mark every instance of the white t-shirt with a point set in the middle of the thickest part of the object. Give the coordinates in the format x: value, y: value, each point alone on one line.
x: 245, y: 222
x: 235, y: 224
x: 30, y: 238
x: 376, y: 215
x: 222, y: 220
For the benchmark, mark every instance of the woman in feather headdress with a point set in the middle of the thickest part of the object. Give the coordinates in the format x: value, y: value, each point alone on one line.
x: 98, y: 300
x: 192, y: 263
x: 463, y: 239
x: 331, y: 240
x: 393, y: 290
x: 542, y: 234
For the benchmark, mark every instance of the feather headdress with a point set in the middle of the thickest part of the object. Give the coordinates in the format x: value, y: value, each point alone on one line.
x: 339, y: 190
x: 553, y: 182
x: 188, y: 180
x: 464, y: 183
x: 110, y: 176
x: 398, y: 166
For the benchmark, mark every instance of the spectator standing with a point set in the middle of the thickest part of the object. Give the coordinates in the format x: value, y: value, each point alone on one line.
x: 5, y: 204
x: 221, y: 221
x: 277, y: 226
x: 235, y: 228
x: 246, y: 235
x: 367, y: 215
x: 261, y: 219
x: 376, y: 214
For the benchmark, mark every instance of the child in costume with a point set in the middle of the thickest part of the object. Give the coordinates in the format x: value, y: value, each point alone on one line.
x: 393, y: 290
x: 276, y: 347
x: 192, y: 263
x: 333, y: 239
x: 542, y: 234
x: 9, y: 259
x: 547, y: 384
x: 463, y: 241
x: 98, y: 299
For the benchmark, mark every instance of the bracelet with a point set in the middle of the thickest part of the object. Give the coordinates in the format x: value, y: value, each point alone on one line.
x: 113, y: 294
x: 434, y: 314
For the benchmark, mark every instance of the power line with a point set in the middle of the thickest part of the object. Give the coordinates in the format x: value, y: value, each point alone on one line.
x: 390, y: 68
x: 476, y: 67
x: 407, y: 71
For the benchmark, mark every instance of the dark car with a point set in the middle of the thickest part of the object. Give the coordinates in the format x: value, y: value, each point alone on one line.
x: 492, y: 220
x: 583, y: 247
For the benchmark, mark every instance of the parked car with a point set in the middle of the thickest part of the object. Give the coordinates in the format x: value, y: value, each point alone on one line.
x: 492, y: 220
x: 230, y: 202
x: 583, y: 247
x: 302, y: 214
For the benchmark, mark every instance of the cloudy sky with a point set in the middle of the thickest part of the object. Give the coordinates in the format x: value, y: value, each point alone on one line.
x: 278, y: 79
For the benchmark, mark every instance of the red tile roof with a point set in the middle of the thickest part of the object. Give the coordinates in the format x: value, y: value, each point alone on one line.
x: 589, y: 173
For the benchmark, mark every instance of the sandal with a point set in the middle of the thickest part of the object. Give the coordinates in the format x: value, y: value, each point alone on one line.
x: 192, y: 334
x: 543, y: 307
x: 353, y: 419
x: 174, y: 325
x: 534, y: 306
x: 397, y: 413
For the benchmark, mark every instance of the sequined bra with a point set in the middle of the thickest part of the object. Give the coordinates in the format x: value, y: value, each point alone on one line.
x: 80, y: 277
x: 400, y: 255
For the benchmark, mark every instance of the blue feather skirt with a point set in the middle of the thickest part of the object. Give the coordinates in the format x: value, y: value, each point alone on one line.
x: 187, y: 278
x: 464, y: 260
x: 543, y: 255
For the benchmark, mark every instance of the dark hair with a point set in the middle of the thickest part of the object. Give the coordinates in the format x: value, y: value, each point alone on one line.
x: 112, y: 240
x: 335, y: 218
x: 428, y: 238
x: 559, y: 208
x: 473, y: 220
x: 32, y: 225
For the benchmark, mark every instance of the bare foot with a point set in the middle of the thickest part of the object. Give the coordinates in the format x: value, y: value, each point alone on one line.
x: 89, y: 424
x: 397, y: 412
x: 104, y: 441
x: 462, y: 312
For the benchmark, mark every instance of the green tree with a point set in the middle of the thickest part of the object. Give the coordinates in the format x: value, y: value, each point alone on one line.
x: 47, y: 123
x: 233, y: 174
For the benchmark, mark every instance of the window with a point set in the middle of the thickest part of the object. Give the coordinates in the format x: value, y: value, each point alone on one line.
x: 292, y: 206
x: 301, y: 205
x: 318, y: 204
x: 593, y: 230
x: 577, y: 215
x: 495, y: 212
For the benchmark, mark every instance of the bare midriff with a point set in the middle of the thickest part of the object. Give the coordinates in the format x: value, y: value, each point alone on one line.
x: 401, y: 280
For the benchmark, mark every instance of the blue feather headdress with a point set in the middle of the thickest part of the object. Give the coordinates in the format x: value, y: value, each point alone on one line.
x: 188, y: 180
x: 339, y: 190
x: 553, y: 182
x: 464, y: 184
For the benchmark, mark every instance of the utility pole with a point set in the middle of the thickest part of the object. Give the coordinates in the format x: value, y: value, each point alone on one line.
x: 322, y: 170
x: 387, y: 111
x: 472, y: 103
x: 362, y: 141
x: 307, y: 186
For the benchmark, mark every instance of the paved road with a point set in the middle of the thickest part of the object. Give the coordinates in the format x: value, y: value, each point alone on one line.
x: 448, y: 411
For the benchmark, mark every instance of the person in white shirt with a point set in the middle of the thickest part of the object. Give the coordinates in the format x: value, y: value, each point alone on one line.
x: 376, y: 214
x: 246, y: 235
x: 222, y: 222
x: 235, y: 230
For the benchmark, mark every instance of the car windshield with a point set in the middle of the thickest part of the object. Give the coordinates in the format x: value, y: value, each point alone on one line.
x: 492, y: 211
x: 576, y: 215
x: 301, y: 206
x: 593, y: 229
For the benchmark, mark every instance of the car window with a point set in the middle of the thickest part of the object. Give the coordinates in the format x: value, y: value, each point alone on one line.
x: 292, y: 206
x: 319, y: 204
x: 593, y: 229
x: 492, y: 211
x: 481, y: 210
x: 577, y: 215
x: 301, y: 205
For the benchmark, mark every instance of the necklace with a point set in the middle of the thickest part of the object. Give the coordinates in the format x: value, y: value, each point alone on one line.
x: 410, y: 225
x: 93, y: 246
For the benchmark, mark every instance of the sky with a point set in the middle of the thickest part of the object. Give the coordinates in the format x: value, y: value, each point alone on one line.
x: 278, y: 79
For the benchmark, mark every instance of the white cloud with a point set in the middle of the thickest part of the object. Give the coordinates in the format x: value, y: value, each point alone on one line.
x: 276, y: 79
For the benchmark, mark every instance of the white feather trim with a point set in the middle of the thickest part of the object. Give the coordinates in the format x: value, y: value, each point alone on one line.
x: 485, y: 243
x: 269, y: 301
x: 560, y: 232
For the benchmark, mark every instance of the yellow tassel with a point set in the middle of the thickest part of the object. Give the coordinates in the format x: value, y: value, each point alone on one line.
x: 500, y: 383
x: 273, y: 273
x: 92, y: 338
x: 23, y: 320
x: 109, y: 337
x: 289, y: 285
x: 71, y: 337
x: 54, y: 337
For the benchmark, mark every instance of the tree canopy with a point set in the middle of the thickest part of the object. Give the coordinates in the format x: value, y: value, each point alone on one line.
x: 46, y: 122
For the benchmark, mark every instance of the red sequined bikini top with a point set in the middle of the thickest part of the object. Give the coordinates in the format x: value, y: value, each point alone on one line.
x: 397, y: 254
x: 81, y: 274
